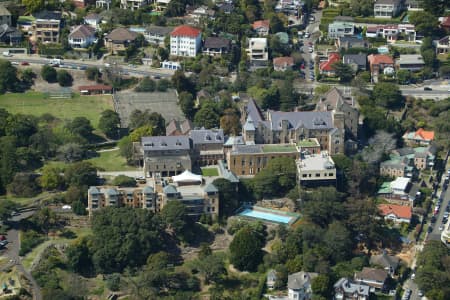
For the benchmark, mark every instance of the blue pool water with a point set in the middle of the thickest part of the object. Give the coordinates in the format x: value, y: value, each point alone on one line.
x: 265, y: 216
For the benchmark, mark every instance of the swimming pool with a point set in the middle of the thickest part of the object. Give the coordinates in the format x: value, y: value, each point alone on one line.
x: 248, y: 212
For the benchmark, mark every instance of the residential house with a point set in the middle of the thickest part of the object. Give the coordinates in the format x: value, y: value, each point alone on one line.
x: 132, y: 4
x: 5, y: 16
x: 380, y: 64
x: 271, y: 279
x: 420, y: 157
x: 105, y: 4
x: 207, y: 146
x: 283, y: 63
x: 396, y: 213
x: 93, y: 20
x: 358, y: 62
x: 178, y: 127
x: 396, y: 167
x: 387, y: 8
x: 258, y: 52
x: 82, y: 36
x: 400, y: 191
x: 443, y: 45
x: 345, y: 289
x: 216, y: 46
x: 119, y: 39
x: 157, y: 34
x: 392, y: 32
x: 374, y: 278
x: 340, y: 28
x: 413, y: 5
x: 202, y: 12
x: 341, y: 107
x: 291, y: 127
x: 46, y: 26
x: 299, y: 285
x: 388, y: 262
x: 419, y: 137
x: 316, y: 169
x: 161, y: 5
x: 326, y: 67
x: 226, y: 8
x: 261, y: 27
x: 10, y: 35
x: 410, y: 62
x: 185, y: 41
x: 347, y: 42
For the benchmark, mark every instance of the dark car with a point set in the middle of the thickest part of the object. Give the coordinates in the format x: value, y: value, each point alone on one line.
x: 433, y: 219
x: 430, y: 229
x: 427, y: 88
x: 25, y: 63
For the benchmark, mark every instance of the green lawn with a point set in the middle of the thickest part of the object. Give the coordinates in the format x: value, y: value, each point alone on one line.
x: 27, y: 201
x: 111, y: 161
x: 210, y: 172
x: 34, y: 103
x: 279, y: 148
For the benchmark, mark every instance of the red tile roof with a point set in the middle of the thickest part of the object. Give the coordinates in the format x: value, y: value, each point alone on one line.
x: 260, y: 23
x: 425, y: 135
x: 327, y: 65
x: 446, y: 22
x: 185, y: 30
x: 399, y: 211
x: 283, y: 61
x: 377, y: 59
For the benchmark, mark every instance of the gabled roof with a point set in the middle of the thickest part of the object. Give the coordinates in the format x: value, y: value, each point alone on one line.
x: 376, y: 59
x: 350, y: 287
x: 249, y: 126
x: 283, y: 61
x: 185, y: 30
x: 400, y: 211
x: 207, y: 136
x: 148, y: 190
x: 328, y: 65
x: 445, y: 22
x: 372, y: 274
x: 82, y: 32
x: 120, y: 35
x: 6, y: 30
x: 261, y: 24
x: 178, y: 127
x: 359, y: 59
x: 157, y: 143
x: 170, y: 189
x: 93, y: 190
x: 211, y: 188
x: 47, y: 15
x: 424, y: 134
x: 298, y: 119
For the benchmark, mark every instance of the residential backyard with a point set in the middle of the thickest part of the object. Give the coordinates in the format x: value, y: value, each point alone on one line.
x: 36, y: 103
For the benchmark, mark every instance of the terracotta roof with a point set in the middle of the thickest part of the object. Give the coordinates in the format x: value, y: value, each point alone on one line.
x: 327, y: 65
x: 121, y: 35
x: 425, y: 135
x: 399, y: 211
x: 283, y: 61
x: 185, y: 30
x: 97, y: 87
x: 376, y: 59
x: 260, y: 23
x: 82, y: 31
x: 446, y: 22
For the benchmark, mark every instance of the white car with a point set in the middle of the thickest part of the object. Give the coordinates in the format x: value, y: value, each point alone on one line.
x: 441, y: 227
x: 310, y: 50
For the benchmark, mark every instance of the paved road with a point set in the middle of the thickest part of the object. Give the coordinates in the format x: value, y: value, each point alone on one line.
x: 12, y: 253
x: 138, y: 70
x: 435, y: 235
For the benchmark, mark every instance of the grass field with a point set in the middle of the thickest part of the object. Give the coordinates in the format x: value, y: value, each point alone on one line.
x: 111, y: 161
x: 279, y: 148
x: 34, y: 103
x: 210, y: 172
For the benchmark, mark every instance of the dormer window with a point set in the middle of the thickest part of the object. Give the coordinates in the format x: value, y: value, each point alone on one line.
x: 208, y: 138
x: 178, y: 143
x: 164, y: 144
x: 218, y: 137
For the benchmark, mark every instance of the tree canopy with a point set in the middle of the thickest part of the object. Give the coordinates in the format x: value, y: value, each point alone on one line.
x: 245, y: 250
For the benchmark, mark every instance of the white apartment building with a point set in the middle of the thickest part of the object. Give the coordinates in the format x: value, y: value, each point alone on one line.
x: 132, y: 4
x: 185, y: 41
x: 258, y: 52
x: 387, y: 8
x: 316, y: 169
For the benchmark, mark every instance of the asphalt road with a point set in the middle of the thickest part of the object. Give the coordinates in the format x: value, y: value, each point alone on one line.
x: 435, y: 235
x: 12, y: 252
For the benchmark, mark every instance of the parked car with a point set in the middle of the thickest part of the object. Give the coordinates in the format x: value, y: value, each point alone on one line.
x: 310, y: 50
x: 24, y: 63
x: 427, y: 88
x: 430, y: 229
x: 15, y: 63
x: 307, y: 34
x: 441, y: 227
x: 433, y: 220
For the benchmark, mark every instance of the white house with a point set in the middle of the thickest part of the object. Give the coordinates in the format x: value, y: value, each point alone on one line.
x: 93, y: 20
x: 299, y: 285
x: 185, y: 41
x: 82, y: 36
x: 258, y: 52
x: 132, y: 4
x: 387, y: 8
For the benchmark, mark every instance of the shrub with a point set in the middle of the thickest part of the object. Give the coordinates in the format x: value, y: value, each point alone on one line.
x: 28, y: 240
x: 48, y: 73
x: 146, y: 85
x: 64, y: 78
x: 125, y: 181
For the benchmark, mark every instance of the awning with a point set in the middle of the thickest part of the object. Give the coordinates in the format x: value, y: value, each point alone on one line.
x: 187, y: 176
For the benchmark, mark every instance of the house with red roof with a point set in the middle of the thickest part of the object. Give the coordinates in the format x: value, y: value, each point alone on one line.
x: 380, y: 63
x: 185, y: 41
x: 326, y: 67
x: 283, y: 63
x: 420, y: 137
x: 261, y: 27
x: 396, y: 213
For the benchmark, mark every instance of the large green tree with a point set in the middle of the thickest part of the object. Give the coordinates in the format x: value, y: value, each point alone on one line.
x: 343, y: 71
x: 8, y: 77
x: 48, y: 73
x: 7, y: 207
x: 387, y: 95
x: 140, y: 118
x: 33, y: 5
x: 109, y: 123
x: 80, y: 174
x: 80, y: 126
x: 245, y: 250
x: 228, y: 196
x: 276, y: 179
x: 425, y: 22
x: 51, y: 178
x: 207, y: 116
x: 187, y: 104
x: 174, y: 215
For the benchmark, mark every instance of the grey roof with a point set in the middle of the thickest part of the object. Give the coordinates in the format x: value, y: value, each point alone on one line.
x: 6, y: 30
x: 271, y: 275
x: 234, y: 140
x: 253, y: 111
x: 247, y: 149
x: 298, y: 119
x: 148, y: 190
x: 111, y: 192
x: 231, y: 177
x: 207, y: 136
x: 359, y: 59
x: 298, y: 280
x: 226, y: 7
x: 159, y: 30
x: 93, y: 190
x: 404, y: 151
x: 170, y: 189
x: 372, y: 274
x: 249, y: 125
x: 155, y: 143
x: 352, y: 287
x: 48, y: 15
x: 4, y: 11
x: 93, y: 16
x: 82, y: 31
x: 182, y: 126
x: 121, y: 35
x: 217, y: 42
x: 352, y: 40
x: 211, y: 188
x: 385, y: 260
x: 387, y: 1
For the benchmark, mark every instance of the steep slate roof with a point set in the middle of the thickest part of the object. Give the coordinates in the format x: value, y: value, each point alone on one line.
x: 249, y: 125
x: 182, y: 126
x: 298, y: 280
x: 359, y: 59
x: 385, y: 260
x: 121, y: 35
x: 170, y: 189
x: 207, y: 136
x: 351, y: 40
x: 156, y: 143
x: 372, y: 274
x: 217, y: 42
x: 298, y: 119
x: 93, y: 190
x: 400, y: 211
x: 5, y: 29
x: 82, y: 32
x: 253, y: 111
x: 185, y: 30
x: 148, y: 190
